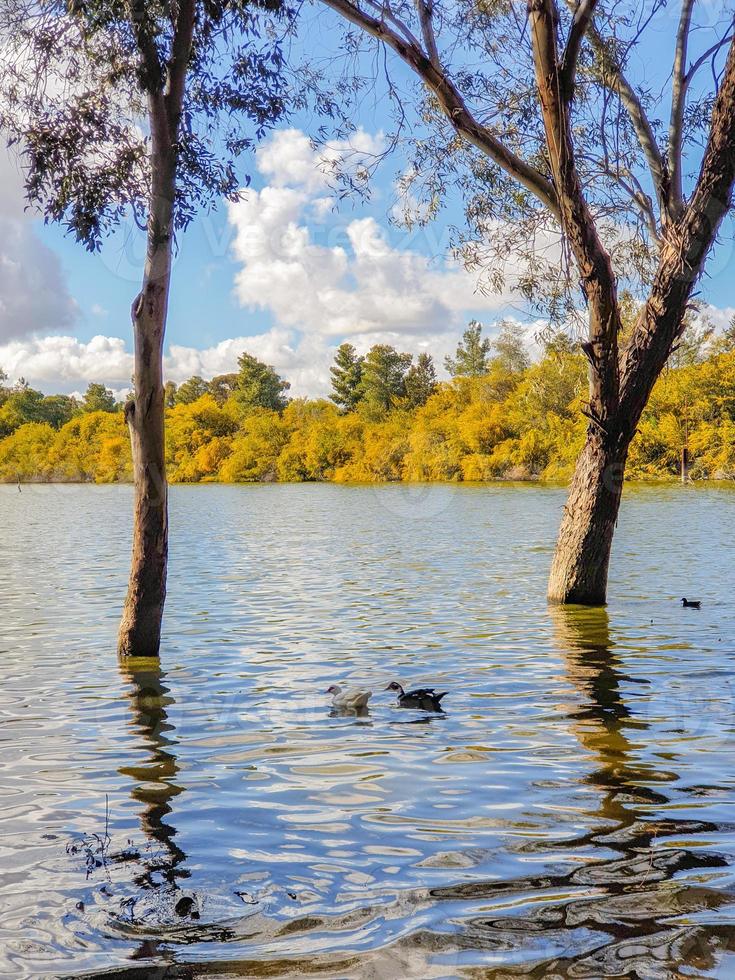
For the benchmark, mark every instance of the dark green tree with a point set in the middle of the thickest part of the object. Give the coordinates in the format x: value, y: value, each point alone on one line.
x: 259, y: 386
x: 23, y: 404
x: 346, y: 377
x: 191, y: 389
x: 421, y: 380
x: 97, y: 398
x: 142, y: 107
x: 472, y: 357
x: 383, y: 378
x: 57, y: 410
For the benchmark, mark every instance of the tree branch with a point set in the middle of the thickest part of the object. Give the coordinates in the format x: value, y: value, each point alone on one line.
x: 678, y: 103
x: 453, y: 105
x: 612, y: 77
x: 582, y: 19
x: 685, y: 246
x: 150, y: 60
x: 703, y: 57
x: 593, y: 261
x: 425, y: 11
x: 179, y: 61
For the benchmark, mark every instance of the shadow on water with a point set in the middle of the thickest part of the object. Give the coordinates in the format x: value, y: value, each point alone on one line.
x: 642, y: 911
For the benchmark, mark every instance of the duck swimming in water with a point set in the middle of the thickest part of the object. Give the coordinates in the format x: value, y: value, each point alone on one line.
x: 351, y: 699
x: 691, y: 603
x: 423, y: 698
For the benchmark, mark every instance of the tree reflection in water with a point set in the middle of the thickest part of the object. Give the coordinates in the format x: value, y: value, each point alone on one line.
x: 643, y: 903
x: 631, y: 914
x: 154, y: 776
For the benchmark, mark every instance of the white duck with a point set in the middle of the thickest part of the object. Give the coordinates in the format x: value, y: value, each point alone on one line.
x: 351, y: 699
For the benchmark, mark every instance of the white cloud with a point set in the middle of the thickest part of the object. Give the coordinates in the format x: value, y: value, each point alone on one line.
x: 61, y: 363
x: 289, y: 159
x: 353, y: 280
x: 33, y: 292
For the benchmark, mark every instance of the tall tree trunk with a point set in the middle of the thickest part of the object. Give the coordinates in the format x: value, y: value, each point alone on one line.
x: 140, y: 629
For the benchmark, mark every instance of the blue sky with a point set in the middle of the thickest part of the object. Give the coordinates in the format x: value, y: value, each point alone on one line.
x: 287, y: 274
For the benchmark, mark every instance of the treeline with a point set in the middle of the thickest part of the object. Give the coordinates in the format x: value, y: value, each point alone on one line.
x: 501, y: 416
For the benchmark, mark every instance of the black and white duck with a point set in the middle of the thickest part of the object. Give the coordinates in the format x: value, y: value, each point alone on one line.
x: 691, y: 603
x: 422, y: 698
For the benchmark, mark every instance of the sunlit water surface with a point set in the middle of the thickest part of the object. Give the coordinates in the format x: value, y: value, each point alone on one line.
x: 572, y: 813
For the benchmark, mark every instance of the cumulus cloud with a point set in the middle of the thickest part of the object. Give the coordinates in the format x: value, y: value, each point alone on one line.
x: 353, y: 282
x: 64, y: 362
x: 290, y: 159
x: 33, y: 293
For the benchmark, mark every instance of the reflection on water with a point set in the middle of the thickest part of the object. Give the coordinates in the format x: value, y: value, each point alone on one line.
x: 570, y: 815
x: 154, y: 777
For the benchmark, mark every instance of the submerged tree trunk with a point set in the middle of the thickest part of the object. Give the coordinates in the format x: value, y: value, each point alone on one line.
x: 579, y: 569
x: 140, y: 629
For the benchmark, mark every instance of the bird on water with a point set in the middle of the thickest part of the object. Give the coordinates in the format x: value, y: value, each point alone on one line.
x: 423, y: 698
x: 352, y: 699
x: 691, y: 603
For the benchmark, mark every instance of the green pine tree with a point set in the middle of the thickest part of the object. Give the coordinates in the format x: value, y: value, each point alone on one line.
x: 259, y: 386
x: 346, y: 377
x: 383, y: 378
x: 97, y: 398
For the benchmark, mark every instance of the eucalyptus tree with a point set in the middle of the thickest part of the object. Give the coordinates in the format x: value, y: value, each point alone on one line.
x: 578, y: 176
x: 139, y: 107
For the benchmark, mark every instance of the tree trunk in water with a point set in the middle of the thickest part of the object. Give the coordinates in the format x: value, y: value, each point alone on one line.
x: 579, y: 569
x: 140, y: 629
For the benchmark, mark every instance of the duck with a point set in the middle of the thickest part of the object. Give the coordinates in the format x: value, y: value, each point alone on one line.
x: 352, y: 699
x: 691, y: 603
x: 423, y: 698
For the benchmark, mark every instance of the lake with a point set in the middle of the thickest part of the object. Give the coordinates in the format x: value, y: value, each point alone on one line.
x: 571, y: 814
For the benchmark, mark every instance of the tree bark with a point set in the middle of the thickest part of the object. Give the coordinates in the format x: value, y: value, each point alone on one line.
x: 579, y: 569
x: 140, y: 628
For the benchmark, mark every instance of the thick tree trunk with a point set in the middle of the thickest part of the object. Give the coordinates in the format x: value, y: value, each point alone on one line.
x: 140, y: 629
x: 579, y: 569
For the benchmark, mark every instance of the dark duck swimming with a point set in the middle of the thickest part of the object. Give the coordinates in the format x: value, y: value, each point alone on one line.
x: 422, y: 698
x: 691, y: 603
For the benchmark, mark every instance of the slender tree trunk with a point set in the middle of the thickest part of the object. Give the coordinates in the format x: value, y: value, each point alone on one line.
x: 140, y: 629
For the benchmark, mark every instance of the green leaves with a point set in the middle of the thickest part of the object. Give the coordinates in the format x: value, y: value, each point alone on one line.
x: 75, y: 79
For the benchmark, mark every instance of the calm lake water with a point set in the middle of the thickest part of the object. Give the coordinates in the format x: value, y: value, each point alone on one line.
x: 572, y: 813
